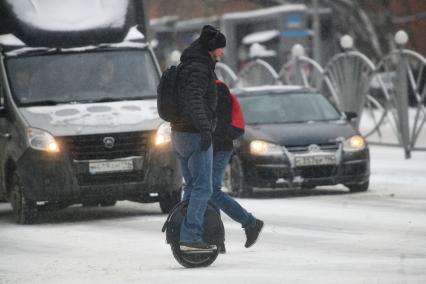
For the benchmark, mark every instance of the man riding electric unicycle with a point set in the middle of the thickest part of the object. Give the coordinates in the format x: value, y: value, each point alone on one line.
x: 194, y: 228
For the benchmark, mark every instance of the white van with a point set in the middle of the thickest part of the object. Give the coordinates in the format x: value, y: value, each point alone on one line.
x: 79, y: 122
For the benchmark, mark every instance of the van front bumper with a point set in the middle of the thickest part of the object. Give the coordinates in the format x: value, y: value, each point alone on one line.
x: 55, y: 177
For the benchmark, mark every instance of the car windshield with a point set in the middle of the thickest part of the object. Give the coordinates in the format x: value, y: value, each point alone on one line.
x: 287, y: 108
x: 82, y: 77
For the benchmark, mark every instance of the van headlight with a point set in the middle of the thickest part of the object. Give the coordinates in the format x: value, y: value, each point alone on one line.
x: 354, y: 143
x: 259, y: 147
x: 41, y: 140
x: 164, y: 134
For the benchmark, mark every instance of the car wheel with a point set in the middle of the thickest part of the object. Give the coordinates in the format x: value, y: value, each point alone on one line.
x: 25, y: 210
x: 169, y: 200
x: 238, y: 185
x: 226, y: 184
x: 361, y: 187
x: 90, y: 203
x: 308, y: 187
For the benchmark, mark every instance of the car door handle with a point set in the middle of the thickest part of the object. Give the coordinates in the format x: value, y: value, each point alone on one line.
x: 5, y: 135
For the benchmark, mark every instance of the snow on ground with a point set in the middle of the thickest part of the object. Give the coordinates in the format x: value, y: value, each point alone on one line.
x: 323, y: 236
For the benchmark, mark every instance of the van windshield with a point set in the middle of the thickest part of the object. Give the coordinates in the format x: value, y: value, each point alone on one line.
x: 82, y: 77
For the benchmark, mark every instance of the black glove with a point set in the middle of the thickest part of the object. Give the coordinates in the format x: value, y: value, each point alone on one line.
x: 206, y: 141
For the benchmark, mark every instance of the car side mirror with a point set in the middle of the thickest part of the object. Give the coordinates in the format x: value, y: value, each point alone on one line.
x: 350, y: 115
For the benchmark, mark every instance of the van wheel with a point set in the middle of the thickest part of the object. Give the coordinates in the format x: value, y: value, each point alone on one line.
x: 108, y: 203
x: 169, y: 200
x: 25, y: 210
x: 361, y: 187
x: 239, y: 187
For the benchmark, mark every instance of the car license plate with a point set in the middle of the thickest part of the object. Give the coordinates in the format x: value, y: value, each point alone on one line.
x: 315, y: 160
x: 110, y: 166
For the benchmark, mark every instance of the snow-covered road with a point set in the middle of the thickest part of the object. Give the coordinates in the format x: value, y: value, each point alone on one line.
x: 323, y: 236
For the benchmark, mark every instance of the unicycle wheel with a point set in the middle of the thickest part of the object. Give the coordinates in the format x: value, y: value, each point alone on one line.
x: 194, y: 259
x: 214, y: 233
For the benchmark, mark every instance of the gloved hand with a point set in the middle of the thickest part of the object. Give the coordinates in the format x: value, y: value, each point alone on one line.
x: 206, y: 141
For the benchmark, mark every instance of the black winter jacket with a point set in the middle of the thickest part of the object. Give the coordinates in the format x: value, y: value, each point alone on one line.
x: 196, y: 90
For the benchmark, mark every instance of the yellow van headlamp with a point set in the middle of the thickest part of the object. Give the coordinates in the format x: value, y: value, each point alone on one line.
x: 41, y: 140
x: 164, y: 134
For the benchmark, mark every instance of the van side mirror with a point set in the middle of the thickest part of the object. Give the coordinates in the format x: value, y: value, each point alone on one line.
x: 2, y: 111
x: 350, y: 115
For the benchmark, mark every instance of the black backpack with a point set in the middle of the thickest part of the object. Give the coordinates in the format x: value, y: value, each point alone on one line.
x: 167, y: 94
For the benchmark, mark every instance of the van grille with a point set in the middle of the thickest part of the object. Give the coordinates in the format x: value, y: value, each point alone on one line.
x: 92, y: 147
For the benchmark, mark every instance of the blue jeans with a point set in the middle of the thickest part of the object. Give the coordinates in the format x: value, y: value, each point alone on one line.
x: 221, y: 199
x: 196, y: 168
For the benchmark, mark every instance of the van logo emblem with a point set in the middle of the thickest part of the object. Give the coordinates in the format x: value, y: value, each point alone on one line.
x: 314, y: 148
x: 109, y: 142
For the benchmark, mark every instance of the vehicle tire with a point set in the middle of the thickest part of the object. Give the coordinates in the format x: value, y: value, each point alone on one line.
x: 192, y: 260
x: 108, y: 203
x: 361, y: 187
x: 169, y: 200
x: 25, y: 210
x: 226, y: 183
x: 239, y: 187
x: 90, y: 203
x: 214, y: 233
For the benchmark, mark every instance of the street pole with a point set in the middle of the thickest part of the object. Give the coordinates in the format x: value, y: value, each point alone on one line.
x: 317, y: 32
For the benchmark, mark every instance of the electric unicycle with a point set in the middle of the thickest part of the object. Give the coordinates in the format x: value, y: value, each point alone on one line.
x: 214, y: 234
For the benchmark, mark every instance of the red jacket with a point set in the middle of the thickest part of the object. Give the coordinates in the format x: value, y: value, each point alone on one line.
x: 230, y: 118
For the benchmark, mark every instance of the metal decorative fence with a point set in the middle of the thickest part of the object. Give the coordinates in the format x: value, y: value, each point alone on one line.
x: 302, y: 70
x: 348, y: 76
x: 225, y: 74
x: 389, y: 98
x: 404, y: 93
x: 257, y: 72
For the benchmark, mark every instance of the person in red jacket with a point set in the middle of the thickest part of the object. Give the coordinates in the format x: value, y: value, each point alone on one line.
x: 230, y: 125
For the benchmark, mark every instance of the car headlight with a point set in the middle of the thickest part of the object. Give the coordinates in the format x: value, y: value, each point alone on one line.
x: 259, y: 147
x: 164, y: 134
x: 354, y: 143
x: 41, y: 140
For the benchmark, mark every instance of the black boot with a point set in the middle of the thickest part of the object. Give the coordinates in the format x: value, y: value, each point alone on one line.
x: 252, y: 233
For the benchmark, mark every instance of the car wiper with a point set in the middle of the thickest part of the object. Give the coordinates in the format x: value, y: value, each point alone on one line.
x: 104, y: 100
x: 41, y: 103
x: 263, y: 123
x: 26, y: 51
x: 298, y: 121
x: 254, y: 123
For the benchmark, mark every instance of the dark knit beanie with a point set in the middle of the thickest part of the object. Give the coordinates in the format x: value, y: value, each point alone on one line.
x: 212, y: 38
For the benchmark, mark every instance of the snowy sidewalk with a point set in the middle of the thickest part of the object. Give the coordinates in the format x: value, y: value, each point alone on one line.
x: 324, y: 236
